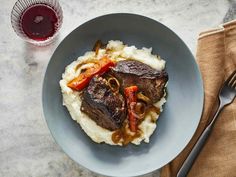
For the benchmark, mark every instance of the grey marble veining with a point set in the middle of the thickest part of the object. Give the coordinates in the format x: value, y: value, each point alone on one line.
x: 231, y: 13
x: 26, y: 146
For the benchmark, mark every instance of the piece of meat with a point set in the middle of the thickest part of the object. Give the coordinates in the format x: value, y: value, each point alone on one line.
x: 106, y: 108
x: 149, y: 81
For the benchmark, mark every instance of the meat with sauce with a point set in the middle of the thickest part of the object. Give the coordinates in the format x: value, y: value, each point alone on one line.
x: 106, y: 108
x: 149, y: 81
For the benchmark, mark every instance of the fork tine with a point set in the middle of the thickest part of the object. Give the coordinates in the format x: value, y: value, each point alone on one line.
x: 231, y: 79
x: 234, y: 84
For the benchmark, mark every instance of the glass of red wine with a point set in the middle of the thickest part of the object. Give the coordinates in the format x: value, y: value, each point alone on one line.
x: 37, y: 21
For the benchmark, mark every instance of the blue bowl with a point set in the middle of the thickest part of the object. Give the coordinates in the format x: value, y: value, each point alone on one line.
x: 177, y: 122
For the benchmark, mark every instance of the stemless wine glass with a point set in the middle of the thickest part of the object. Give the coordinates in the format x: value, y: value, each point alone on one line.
x: 37, y: 21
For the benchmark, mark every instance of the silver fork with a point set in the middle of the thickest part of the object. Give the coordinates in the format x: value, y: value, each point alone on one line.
x: 226, y: 96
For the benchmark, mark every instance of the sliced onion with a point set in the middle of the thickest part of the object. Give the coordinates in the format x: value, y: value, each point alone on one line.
x: 140, y: 109
x: 116, y: 136
x: 114, y: 84
x: 92, y: 61
x: 153, y: 108
x: 97, y: 46
x: 136, y: 113
x: 144, y: 98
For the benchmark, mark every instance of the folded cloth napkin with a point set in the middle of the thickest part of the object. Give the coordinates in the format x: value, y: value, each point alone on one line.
x: 216, y: 57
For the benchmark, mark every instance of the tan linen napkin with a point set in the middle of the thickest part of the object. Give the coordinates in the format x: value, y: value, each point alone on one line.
x: 216, y: 56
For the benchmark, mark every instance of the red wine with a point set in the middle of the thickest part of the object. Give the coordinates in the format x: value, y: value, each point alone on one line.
x: 39, y: 22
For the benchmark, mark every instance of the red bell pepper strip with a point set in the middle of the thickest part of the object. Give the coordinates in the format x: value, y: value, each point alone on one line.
x: 84, y: 78
x: 131, y: 97
x: 79, y: 83
x: 105, y: 64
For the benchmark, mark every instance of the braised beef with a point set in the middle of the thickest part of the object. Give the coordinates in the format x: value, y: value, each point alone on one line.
x: 106, y: 108
x: 149, y: 81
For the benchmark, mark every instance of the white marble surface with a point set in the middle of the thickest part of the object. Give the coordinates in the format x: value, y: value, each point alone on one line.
x: 26, y: 146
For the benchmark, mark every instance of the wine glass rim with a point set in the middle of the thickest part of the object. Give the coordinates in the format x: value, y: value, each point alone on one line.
x: 21, y: 6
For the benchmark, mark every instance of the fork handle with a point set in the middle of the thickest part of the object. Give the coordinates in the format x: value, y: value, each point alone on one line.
x: 197, y: 147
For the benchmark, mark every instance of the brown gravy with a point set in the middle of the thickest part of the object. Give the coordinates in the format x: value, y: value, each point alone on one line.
x: 123, y: 133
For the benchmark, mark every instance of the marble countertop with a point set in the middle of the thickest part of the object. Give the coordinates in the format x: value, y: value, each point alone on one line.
x: 26, y: 146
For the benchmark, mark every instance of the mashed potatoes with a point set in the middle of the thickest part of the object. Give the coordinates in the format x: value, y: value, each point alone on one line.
x: 117, y: 51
